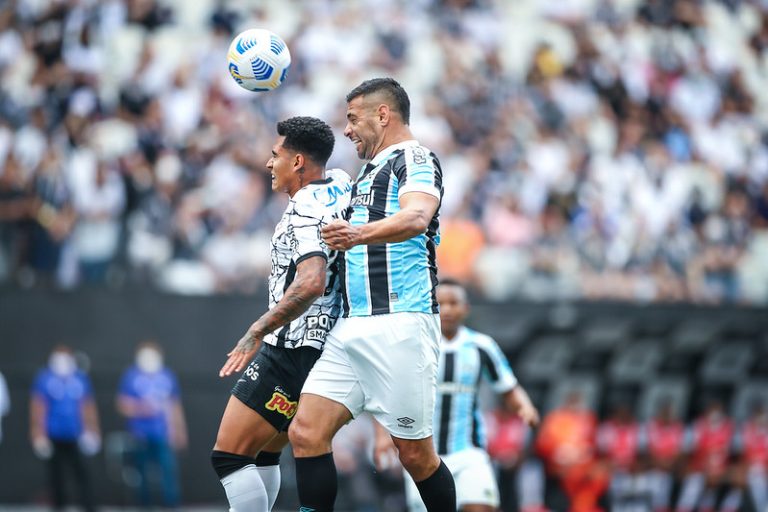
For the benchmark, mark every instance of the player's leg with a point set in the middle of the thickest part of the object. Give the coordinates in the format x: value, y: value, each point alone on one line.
x: 268, y: 466
x: 412, y: 497
x: 396, y: 358
x: 330, y: 398
x: 263, y: 401
x: 242, y: 434
x: 311, y: 433
x: 476, y: 488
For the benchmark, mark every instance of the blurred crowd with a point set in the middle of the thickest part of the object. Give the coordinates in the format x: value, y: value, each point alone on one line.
x: 582, y: 462
x: 590, y: 148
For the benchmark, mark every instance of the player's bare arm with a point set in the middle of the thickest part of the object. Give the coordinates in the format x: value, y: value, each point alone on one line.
x: 307, y: 286
x: 517, y: 399
x: 416, y: 212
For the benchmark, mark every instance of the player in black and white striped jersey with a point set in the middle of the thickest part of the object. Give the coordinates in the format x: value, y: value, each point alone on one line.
x: 304, y: 303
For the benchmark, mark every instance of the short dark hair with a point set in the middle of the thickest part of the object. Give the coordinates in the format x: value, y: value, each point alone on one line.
x: 391, y: 88
x: 309, y: 136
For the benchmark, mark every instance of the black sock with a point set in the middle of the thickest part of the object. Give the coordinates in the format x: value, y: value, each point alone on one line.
x: 316, y: 482
x: 438, y: 492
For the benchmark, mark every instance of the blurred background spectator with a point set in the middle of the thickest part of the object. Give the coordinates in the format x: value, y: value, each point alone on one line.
x: 598, y: 149
x: 150, y: 400
x: 64, y: 426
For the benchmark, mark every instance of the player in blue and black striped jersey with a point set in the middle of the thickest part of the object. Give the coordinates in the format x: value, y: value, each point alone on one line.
x: 467, y: 357
x: 381, y: 357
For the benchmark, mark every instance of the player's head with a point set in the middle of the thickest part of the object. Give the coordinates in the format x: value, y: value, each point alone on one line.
x: 303, y: 146
x: 375, y: 107
x: 454, y: 306
x: 149, y: 356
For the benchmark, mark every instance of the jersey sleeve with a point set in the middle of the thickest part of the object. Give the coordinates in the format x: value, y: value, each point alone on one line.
x: 305, y: 222
x: 419, y: 172
x: 495, y: 366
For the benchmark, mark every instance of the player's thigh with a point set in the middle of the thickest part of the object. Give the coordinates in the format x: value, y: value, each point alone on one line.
x: 396, y: 359
x: 242, y: 430
x: 476, y: 488
x: 265, y: 398
x: 332, y: 376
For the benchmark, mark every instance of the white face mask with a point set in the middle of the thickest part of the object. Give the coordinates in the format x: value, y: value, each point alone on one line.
x: 149, y: 360
x: 62, y: 364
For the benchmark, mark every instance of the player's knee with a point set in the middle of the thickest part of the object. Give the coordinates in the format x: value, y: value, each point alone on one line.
x: 417, y: 461
x: 303, y: 437
x: 225, y: 463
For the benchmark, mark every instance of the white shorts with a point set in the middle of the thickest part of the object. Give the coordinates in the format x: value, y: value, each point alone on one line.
x: 474, y: 477
x: 385, y: 365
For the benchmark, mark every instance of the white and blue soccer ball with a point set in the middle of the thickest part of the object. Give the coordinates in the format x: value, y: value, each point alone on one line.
x: 258, y: 60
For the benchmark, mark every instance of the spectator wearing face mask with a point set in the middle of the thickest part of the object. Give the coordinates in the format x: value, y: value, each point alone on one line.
x: 149, y: 399
x: 64, y: 425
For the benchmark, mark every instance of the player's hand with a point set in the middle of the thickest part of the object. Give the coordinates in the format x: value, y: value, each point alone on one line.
x: 340, y: 235
x: 529, y: 415
x: 241, y: 355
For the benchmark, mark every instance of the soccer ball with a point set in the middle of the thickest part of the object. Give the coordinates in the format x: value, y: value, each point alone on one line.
x: 258, y: 60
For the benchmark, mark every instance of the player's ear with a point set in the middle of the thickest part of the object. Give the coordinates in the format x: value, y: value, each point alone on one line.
x: 384, y: 113
x: 298, y: 161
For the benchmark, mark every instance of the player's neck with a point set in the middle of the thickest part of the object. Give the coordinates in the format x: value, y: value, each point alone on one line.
x: 451, y: 335
x: 310, y: 175
x: 394, y: 135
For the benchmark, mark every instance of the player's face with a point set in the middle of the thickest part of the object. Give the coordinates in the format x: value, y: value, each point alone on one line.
x: 362, y: 128
x: 453, y: 307
x: 282, y: 167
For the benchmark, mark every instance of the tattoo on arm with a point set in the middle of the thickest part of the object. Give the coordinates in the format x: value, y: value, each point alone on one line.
x: 297, y: 298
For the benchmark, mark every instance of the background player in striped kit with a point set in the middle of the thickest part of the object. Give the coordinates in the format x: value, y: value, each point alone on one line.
x: 466, y: 357
x: 382, y: 355
x: 304, y: 304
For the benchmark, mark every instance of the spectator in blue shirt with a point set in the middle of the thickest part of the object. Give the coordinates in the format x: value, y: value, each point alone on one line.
x: 64, y: 425
x: 149, y: 398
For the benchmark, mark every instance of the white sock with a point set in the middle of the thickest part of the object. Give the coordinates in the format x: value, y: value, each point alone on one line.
x: 270, y: 476
x: 245, y: 490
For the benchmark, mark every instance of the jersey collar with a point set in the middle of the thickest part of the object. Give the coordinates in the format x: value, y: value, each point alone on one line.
x: 384, y: 153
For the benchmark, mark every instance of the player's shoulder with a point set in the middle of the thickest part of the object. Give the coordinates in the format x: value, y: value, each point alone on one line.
x: 416, y: 153
x: 478, y: 338
x: 333, y: 191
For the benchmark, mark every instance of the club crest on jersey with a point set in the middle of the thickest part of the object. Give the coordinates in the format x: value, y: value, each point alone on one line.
x: 280, y: 403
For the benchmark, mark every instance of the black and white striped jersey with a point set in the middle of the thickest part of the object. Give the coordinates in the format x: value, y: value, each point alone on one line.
x: 297, y: 237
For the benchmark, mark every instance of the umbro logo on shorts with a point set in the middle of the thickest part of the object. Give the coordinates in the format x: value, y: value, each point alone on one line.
x: 405, y: 422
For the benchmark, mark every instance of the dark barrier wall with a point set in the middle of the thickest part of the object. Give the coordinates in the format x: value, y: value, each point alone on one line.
x: 197, y: 333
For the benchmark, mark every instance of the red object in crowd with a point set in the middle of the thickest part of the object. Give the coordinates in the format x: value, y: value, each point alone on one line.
x: 619, y: 442
x: 712, y: 444
x: 665, y: 440
x: 506, y: 437
x: 754, y: 436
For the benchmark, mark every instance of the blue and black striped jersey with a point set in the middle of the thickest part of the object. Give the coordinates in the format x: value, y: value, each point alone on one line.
x: 393, y: 277
x: 464, y: 360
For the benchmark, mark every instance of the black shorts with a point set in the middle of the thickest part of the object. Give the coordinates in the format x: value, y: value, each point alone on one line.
x: 272, y: 382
